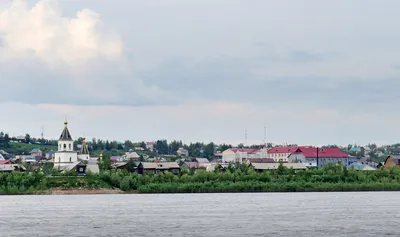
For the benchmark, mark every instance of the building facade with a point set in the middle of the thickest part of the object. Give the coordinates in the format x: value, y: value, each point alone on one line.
x: 281, y: 154
x: 242, y: 154
x: 66, y: 153
x: 310, y: 156
x: 84, y: 151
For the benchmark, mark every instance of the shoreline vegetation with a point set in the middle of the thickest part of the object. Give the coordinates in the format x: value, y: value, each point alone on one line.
x: 236, y: 178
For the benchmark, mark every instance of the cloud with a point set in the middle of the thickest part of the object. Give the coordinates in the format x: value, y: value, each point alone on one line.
x: 42, y: 32
x: 241, y: 81
x: 46, y: 57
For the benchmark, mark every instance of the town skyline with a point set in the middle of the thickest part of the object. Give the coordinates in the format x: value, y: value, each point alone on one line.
x: 245, y: 142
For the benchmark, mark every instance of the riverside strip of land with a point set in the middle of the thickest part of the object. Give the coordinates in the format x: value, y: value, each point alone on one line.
x: 235, y: 179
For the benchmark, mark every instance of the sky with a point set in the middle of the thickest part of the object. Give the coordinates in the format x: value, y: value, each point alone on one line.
x: 312, y: 72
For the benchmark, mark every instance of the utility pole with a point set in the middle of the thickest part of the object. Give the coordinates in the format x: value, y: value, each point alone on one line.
x: 245, y: 137
x: 265, y: 136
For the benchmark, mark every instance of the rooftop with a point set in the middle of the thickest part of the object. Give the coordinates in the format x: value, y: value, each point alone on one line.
x: 322, y: 152
x: 65, y: 135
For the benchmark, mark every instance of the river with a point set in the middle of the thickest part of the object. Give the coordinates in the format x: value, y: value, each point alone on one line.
x: 234, y: 214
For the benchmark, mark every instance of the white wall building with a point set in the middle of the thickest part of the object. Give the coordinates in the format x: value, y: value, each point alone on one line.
x: 281, y: 154
x: 309, y: 156
x: 84, y: 151
x: 66, y: 153
x: 242, y: 154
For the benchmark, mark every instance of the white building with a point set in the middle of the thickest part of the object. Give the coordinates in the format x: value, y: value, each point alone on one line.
x: 281, y: 154
x: 84, y: 151
x: 66, y: 153
x: 242, y: 154
x: 310, y: 155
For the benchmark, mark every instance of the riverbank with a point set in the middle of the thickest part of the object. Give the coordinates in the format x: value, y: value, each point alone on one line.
x: 83, y: 191
x: 334, y: 178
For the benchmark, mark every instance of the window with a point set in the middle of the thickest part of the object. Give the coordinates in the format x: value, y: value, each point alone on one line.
x: 70, y: 159
x: 70, y: 146
x: 65, y: 146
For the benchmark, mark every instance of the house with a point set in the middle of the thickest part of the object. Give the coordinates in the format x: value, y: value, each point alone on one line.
x: 148, y: 167
x: 189, y: 165
x: 150, y: 146
x: 202, y: 160
x: 273, y: 166
x: 6, y: 162
x: 131, y: 155
x: 50, y: 155
x: 242, y: 154
x: 115, y: 158
x: 11, y: 167
x: 20, y: 139
x: 311, y: 155
x: 218, y: 155
x: 392, y: 160
x: 214, y: 167
x: 29, y: 159
x: 119, y: 165
x: 281, y: 154
x: 36, y: 152
x: 182, y: 152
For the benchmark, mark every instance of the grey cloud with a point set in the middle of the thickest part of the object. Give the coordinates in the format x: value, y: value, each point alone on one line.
x: 33, y: 82
x: 396, y: 66
x: 235, y: 81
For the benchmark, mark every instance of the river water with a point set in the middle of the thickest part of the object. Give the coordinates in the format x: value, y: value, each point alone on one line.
x: 236, y: 214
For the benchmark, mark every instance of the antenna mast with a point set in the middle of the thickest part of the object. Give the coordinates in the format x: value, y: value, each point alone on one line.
x: 265, y: 136
x: 245, y: 137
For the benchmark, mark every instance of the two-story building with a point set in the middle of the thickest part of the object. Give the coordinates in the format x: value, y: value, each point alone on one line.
x: 310, y: 156
x: 281, y: 154
x: 242, y: 154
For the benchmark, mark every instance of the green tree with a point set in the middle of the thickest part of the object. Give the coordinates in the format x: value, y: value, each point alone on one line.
x: 27, y: 138
x: 105, y: 163
x: 130, y: 166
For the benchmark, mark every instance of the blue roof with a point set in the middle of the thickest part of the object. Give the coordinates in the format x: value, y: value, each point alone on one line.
x: 355, y: 149
x: 30, y: 158
x: 36, y: 150
x: 51, y: 152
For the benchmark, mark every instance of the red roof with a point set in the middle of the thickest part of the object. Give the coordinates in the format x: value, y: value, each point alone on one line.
x: 247, y: 150
x: 322, y: 152
x: 6, y: 162
x: 287, y: 149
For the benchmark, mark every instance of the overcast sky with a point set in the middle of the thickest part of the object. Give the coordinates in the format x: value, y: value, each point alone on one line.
x: 312, y: 71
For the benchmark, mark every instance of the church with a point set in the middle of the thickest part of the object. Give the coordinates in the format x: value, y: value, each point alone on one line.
x: 66, y: 158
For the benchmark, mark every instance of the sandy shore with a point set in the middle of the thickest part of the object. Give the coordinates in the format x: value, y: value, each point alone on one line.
x: 56, y: 191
